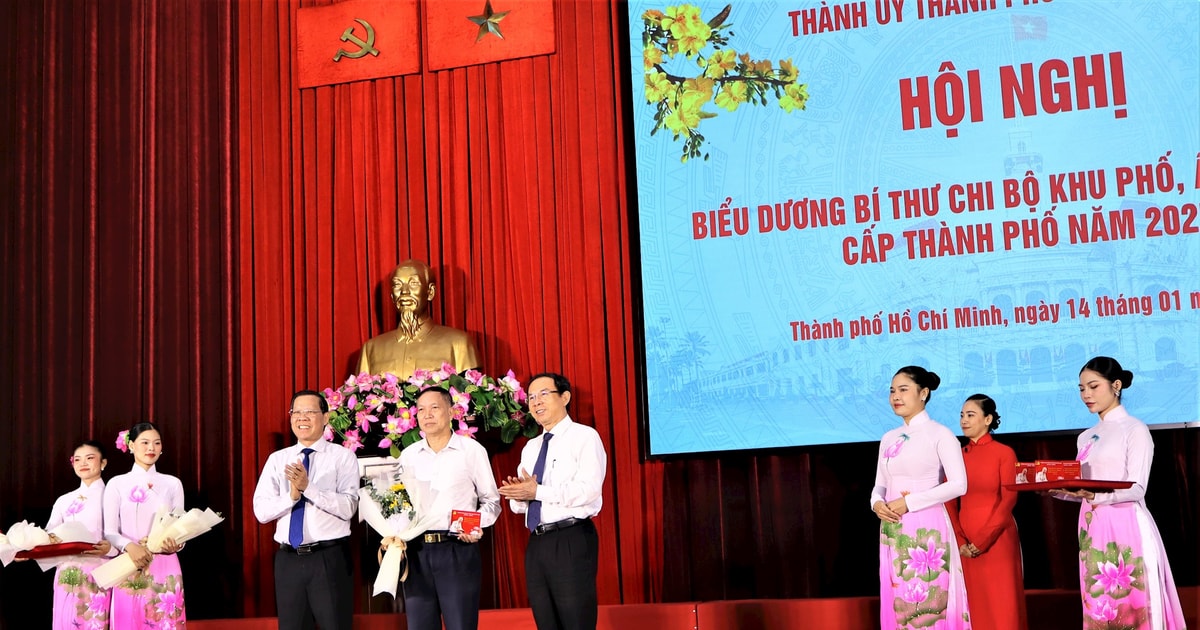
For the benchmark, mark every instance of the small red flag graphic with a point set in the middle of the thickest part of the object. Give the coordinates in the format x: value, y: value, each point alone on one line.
x: 356, y: 40
x: 468, y: 32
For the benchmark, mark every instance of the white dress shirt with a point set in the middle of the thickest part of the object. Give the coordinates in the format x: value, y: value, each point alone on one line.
x: 130, y: 501
x: 923, y: 453
x: 332, y: 492
x: 572, y: 483
x: 459, y: 477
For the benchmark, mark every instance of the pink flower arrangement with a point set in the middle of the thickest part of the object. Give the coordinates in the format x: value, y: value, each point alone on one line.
x: 379, y: 411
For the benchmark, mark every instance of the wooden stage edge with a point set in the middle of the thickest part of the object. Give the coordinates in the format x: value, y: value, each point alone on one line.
x: 1048, y: 610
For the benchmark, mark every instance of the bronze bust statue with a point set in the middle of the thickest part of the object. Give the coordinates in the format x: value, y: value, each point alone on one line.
x: 416, y: 343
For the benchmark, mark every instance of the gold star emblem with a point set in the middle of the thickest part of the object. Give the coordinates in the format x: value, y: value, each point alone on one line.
x: 489, y: 22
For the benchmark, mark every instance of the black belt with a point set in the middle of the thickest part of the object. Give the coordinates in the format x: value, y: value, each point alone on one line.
x: 434, y: 537
x: 546, y: 528
x: 304, y: 550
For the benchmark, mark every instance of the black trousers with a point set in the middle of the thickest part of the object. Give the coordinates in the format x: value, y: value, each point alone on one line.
x: 444, y: 580
x: 315, y: 587
x: 560, y: 571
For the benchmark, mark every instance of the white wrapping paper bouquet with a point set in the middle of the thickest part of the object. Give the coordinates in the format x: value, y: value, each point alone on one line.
x: 25, y: 536
x: 388, y: 503
x: 179, y: 527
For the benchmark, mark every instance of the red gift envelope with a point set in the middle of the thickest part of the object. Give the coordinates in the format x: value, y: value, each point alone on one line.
x: 464, y: 521
x: 53, y: 551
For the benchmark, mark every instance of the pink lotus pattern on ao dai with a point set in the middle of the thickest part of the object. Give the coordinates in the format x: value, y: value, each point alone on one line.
x: 78, y: 601
x: 1125, y: 579
x: 152, y: 598
x: 920, y: 573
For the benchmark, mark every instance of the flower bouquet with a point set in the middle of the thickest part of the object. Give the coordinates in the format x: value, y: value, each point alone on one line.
x: 387, y: 503
x: 22, y: 536
x: 26, y: 541
x: 180, y: 527
x: 68, y: 540
x: 379, y: 412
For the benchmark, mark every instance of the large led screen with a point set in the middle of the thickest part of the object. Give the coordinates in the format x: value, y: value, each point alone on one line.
x: 828, y: 191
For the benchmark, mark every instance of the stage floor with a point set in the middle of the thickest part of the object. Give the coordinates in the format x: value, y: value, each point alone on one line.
x: 1048, y: 610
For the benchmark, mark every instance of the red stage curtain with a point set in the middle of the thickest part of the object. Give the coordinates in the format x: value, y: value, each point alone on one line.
x: 117, y: 246
x: 510, y: 180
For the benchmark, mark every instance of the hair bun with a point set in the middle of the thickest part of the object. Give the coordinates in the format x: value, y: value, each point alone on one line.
x: 934, y: 381
x: 1126, y: 378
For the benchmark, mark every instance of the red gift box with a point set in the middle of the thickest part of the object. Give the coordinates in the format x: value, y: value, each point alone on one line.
x: 1056, y: 470
x: 1026, y: 472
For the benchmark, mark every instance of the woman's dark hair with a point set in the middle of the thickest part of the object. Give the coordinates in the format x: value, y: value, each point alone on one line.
x: 989, y: 409
x: 91, y: 444
x: 139, y: 428
x: 1111, y: 370
x: 922, y: 377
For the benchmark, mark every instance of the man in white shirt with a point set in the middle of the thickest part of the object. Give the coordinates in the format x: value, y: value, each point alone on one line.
x: 310, y: 490
x: 558, y: 488
x: 444, y: 568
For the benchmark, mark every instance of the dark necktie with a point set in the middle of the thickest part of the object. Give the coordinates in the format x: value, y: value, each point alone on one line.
x: 534, y: 518
x: 296, y: 523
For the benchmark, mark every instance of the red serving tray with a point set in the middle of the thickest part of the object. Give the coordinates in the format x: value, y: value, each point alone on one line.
x: 53, y: 551
x: 1094, y: 485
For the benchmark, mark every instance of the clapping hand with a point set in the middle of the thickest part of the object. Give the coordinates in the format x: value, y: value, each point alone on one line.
x: 297, y: 478
x: 523, y: 487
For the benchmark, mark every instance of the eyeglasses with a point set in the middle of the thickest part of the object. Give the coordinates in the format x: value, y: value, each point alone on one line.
x: 542, y: 394
x: 304, y: 413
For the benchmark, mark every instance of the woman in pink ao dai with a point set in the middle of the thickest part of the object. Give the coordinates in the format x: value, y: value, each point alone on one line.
x: 920, y: 467
x: 153, y: 596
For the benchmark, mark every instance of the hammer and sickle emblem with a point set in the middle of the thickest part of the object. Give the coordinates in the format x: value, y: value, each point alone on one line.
x: 363, y: 47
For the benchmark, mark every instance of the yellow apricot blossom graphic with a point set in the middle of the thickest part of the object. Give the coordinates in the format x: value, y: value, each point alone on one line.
x: 719, y: 63
x: 727, y: 79
x: 731, y: 96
